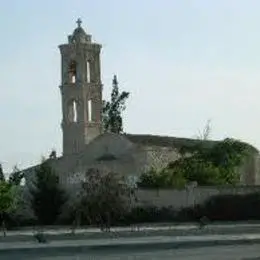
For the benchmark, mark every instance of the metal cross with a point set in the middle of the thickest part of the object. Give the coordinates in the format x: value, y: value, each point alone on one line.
x: 79, y: 22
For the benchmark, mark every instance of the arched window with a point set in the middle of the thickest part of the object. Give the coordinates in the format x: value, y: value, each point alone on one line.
x: 72, y: 72
x: 73, y: 111
x: 88, y: 72
x: 90, y: 110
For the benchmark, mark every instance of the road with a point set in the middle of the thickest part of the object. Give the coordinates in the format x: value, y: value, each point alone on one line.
x: 166, y: 230
x: 213, y: 253
x: 179, y: 227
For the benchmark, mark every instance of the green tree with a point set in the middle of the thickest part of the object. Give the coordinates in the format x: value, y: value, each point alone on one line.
x: 2, y: 176
x: 193, y: 169
x: 214, y: 164
x: 112, y: 110
x: 7, y: 202
x: 16, y: 176
x: 48, y: 196
x: 165, y: 178
x: 152, y: 179
x: 228, y: 155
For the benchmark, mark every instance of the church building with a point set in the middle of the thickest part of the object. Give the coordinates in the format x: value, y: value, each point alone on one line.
x: 84, y: 143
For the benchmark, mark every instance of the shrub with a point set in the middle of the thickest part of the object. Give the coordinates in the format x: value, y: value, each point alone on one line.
x: 232, y: 207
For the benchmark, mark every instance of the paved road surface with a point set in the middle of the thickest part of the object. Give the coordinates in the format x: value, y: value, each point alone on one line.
x: 140, y: 242
x: 209, y: 253
x: 93, y: 233
x: 188, y: 227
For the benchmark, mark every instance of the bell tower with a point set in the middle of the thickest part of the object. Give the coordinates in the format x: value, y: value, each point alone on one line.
x: 81, y: 91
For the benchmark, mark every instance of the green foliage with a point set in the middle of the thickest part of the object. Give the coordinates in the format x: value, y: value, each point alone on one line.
x: 213, y: 165
x: 7, y: 197
x: 228, y: 207
x: 193, y: 169
x: 47, y: 195
x: 12, y: 202
x: 151, y: 179
x: 2, y: 176
x: 231, y: 207
x: 8, y: 201
x: 16, y: 176
x: 226, y: 154
x: 112, y: 110
x: 157, y: 179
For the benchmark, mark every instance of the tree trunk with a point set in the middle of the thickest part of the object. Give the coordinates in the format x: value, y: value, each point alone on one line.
x: 76, y: 222
x: 107, y: 221
x: 3, y: 225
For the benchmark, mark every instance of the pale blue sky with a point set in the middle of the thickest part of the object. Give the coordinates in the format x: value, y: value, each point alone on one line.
x: 184, y: 62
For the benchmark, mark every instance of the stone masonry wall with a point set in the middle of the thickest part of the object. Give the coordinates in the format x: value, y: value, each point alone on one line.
x: 116, y: 153
x: 132, y: 162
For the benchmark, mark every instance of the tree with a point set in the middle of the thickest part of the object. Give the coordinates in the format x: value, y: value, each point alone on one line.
x: 214, y: 164
x: 7, y: 201
x: 53, y: 154
x: 164, y: 178
x: 205, y: 134
x: 193, y: 169
x: 104, y: 197
x: 112, y: 110
x: 16, y: 176
x: 2, y: 176
x: 153, y: 179
x: 47, y: 195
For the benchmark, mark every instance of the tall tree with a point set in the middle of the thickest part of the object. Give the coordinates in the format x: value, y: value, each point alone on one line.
x: 48, y: 196
x: 2, y: 176
x: 7, y: 201
x: 205, y: 134
x: 112, y: 110
x: 16, y: 176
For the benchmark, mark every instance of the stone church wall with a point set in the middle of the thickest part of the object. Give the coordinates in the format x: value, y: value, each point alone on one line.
x: 159, y: 157
x: 132, y: 162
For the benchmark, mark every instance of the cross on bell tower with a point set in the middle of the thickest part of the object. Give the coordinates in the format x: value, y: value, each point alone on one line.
x: 79, y: 22
x: 81, y: 90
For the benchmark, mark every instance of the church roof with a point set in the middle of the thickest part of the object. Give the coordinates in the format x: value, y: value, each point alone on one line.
x: 179, y: 143
x: 79, y: 35
x: 79, y: 31
x: 167, y: 141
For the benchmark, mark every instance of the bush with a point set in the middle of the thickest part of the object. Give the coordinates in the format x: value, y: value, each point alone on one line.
x: 213, y: 165
x: 232, y: 207
x: 103, y: 199
x: 216, y: 208
x: 237, y: 207
x: 149, y: 215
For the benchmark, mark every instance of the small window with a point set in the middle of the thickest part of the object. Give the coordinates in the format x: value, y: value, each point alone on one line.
x: 90, y: 110
x: 73, y: 112
x: 72, y: 72
x: 73, y: 79
x: 88, y: 72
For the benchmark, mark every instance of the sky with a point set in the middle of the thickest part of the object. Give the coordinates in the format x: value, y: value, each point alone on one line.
x: 183, y: 62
